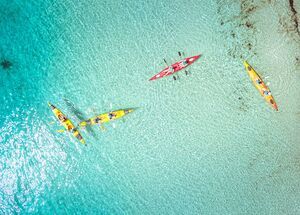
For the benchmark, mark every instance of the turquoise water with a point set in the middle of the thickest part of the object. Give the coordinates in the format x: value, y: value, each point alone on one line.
x: 204, y: 144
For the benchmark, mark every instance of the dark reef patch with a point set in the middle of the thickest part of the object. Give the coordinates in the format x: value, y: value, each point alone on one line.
x: 245, y: 27
x: 248, y: 7
x: 297, y: 63
x: 6, y: 64
x: 286, y: 25
x: 248, y: 24
x: 294, y: 16
x: 289, y: 22
x: 243, y: 107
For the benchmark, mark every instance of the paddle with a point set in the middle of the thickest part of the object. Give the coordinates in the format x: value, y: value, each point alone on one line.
x: 102, y: 127
x: 111, y: 107
x: 166, y: 62
x: 61, y: 131
x: 181, y: 54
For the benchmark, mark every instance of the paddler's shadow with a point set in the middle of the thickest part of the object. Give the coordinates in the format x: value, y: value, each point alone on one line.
x: 79, y: 115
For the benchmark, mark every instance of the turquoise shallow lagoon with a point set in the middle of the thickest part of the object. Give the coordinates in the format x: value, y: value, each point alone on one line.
x: 204, y: 144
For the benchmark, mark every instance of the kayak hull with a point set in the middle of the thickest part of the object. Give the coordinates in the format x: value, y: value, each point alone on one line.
x: 106, y: 117
x: 68, y: 125
x: 260, y: 85
x: 176, y: 67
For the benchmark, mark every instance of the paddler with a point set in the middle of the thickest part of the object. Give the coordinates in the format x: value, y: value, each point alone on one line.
x: 69, y: 127
x: 266, y: 92
x: 62, y: 117
x: 111, y: 115
x: 184, y: 63
x: 98, y: 119
x: 258, y: 81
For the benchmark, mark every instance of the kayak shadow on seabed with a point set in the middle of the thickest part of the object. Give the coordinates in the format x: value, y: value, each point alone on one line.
x: 79, y: 115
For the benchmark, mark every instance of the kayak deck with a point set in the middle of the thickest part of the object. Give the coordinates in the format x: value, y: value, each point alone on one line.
x: 68, y: 125
x: 260, y: 85
x: 176, y: 67
x: 106, y: 117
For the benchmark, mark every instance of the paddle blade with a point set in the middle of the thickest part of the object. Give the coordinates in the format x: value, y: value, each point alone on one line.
x: 102, y: 128
x: 165, y: 61
x: 60, y: 131
x: 82, y: 124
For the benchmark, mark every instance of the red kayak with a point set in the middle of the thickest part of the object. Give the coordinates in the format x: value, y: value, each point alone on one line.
x: 170, y: 70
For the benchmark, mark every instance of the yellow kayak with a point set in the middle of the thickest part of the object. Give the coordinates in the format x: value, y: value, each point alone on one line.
x: 106, y: 117
x: 66, y: 122
x: 260, y: 85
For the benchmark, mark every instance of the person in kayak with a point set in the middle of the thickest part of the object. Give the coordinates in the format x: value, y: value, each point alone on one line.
x: 111, y: 115
x: 69, y: 127
x: 73, y: 130
x: 62, y: 117
x: 79, y: 137
x: 258, y: 81
x: 89, y: 121
x: 98, y: 119
x: 266, y: 92
x: 184, y: 63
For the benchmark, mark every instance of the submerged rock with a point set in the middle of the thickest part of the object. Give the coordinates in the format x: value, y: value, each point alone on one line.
x: 6, y: 64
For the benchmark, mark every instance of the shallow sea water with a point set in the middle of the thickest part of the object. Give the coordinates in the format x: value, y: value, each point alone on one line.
x: 204, y: 144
